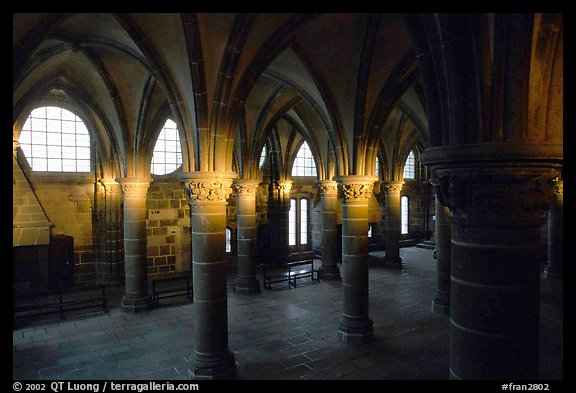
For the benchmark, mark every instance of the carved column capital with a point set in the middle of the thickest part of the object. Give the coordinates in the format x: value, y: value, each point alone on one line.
x: 283, y: 185
x: 205, y: 187
x: 355, y: 187
x: 208, y: 190
x: 246, y: 187
x: 437, y: 190
x: 392, y: 186
x: 497, y: 194
x: 134, y: 187
x: 558, y: 187
x: 327, y: 187
x: 506, y: 183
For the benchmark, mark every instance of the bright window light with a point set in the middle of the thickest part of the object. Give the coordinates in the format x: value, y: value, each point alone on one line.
x: 167, y: 156
x: 304, y: 163
x: 54, y: 139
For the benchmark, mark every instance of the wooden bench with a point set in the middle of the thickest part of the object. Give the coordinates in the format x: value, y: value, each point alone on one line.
x: 289, y: 272
x: 171, y: 286
x: 62, y: 300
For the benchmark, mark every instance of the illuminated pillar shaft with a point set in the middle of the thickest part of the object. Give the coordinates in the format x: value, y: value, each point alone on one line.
x: 555, y: 266
x: 392, y: 221
x: 441, y: 302
x: 355, y: 326
x: 136, y: 297
x: 211, y: 358
x: 279, y: 210
x: 246, y: 281
x: 329, y: 229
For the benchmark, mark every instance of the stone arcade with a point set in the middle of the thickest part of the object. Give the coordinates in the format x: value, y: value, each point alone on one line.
x: 153, y: 145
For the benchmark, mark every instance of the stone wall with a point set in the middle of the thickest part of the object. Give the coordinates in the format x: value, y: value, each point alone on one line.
x: 68, y: 205
x: 30, y: 226
x: 418, y: 213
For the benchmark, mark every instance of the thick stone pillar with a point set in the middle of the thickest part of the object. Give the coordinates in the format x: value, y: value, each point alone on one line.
x: 392, y: 224
x: 442, y: 234
x: 497, y: 197
x: 109, y: 270
x: 136, y: 297
x: 246, y: 281
x: 329, y: 229
x: 355, y: 326
x: 208, y: 192
x: 279, y: 208
x: 555, y: 267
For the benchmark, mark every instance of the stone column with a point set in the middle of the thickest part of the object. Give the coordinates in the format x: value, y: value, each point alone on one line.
x: 497, y: 207
x: 109, y: 270
x: 246, y: 281
x: 136, y: 297
x: 442, y: 233
x: 279, y: 210
x: 355, y: 326
x: 208, y: 192
x: 392, y: 223
x: 555, y: 267
x: 329, y: 229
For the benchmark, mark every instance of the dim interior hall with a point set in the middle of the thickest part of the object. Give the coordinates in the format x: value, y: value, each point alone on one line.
x: 402, y: 167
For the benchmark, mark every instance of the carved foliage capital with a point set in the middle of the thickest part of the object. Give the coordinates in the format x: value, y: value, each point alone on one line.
x: 284, y: 186
x: 243, y: 188
x: 558, y: 187
x: 355, y: 191
x: 392, y: 186
x: 496, y: 195
x: 328, y: 187
x: 208, y: 190
x: 133, y: 188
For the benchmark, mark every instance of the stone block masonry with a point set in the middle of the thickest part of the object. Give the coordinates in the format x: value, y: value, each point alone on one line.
x: 168, y: 241
x: 68, y: 206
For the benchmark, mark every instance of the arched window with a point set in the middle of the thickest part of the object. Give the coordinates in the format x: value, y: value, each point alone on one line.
x: 167, y: 156
x: 304, y: 163
x: 409, y: 166
x: 377, y: 169
x: 298, y: 222
x: 262, y: 157
x: 404, y: 215
x: 228, y: 240
x: 54, y: 139
x: 370, y: 230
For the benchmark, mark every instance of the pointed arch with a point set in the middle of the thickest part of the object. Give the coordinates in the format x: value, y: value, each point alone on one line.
x: 160, y: 72
x: 361, y: 161
x: 87, y: 109
x: 402, y: 77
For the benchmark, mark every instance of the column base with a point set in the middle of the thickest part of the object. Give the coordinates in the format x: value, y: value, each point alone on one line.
x: 355, y: 331
x: 392, y: 262
x: 212, y: 367
x: 330, y: 272
x: 246, y: 287
x: 440, y: 306
x: 134, y: 305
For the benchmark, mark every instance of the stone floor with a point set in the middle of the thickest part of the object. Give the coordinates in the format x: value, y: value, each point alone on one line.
x: 277, y: 334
